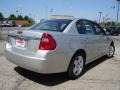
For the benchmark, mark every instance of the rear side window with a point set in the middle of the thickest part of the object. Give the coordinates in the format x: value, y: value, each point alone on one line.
x: 88, y: 27
x: 84, y: 27
x: 80, y: 27
x: 52, y: 25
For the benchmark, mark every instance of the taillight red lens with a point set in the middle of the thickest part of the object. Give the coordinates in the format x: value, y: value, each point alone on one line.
x: 47, y: 42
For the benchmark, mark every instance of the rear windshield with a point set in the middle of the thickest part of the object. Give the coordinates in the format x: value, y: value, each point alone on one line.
x: 51, y: 25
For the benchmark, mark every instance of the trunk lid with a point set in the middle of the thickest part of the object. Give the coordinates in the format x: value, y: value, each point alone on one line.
x: 25, y: 41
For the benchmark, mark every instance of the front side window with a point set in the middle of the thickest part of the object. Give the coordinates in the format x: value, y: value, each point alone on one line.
x: 51, y: 25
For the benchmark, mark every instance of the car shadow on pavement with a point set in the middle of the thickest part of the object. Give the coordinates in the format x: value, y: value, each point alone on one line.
x: 95, y: 63
x: 53, y: 79
x: 44, y: 79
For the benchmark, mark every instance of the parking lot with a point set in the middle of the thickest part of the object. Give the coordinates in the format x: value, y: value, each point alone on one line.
x: 102, y: 74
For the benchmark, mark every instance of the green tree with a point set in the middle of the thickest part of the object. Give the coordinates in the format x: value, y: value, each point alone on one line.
x: 1, y: 16
x: 108, y: 23
x: 103, y: 23
x: 112, y: 23
x: 117, y: 24
x: 12, y: 17
x: 19, y: 17
x: 26, y: 18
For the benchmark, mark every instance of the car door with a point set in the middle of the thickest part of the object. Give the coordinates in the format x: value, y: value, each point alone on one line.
x: 91, y: 43
x: 102, y: 38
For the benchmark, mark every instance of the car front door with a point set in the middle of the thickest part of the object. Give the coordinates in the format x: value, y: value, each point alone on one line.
x: 102, y: 38
x: 93, y: 44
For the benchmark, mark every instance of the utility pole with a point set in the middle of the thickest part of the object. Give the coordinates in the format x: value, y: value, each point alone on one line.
x: 17, y: 12
x: 113, y: 7
x: 51, y: 12
x: 46, y: 12
x: 100, y: 13
x: 117, y: 19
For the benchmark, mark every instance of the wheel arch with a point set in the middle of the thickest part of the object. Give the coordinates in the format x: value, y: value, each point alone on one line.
x: 82, y: 51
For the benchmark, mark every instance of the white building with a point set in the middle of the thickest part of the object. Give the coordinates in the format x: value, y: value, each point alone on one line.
x: 61, y: 17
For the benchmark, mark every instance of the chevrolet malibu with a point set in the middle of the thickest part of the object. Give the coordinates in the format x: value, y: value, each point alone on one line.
x: 59, y: 45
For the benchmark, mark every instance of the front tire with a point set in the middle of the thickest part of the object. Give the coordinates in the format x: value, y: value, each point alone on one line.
x: 76, y: 66
x: 111, y: 51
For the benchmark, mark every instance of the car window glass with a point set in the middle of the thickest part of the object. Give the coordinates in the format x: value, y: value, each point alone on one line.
x: 88, y: 27
x: 62, y: 27
x: 98, y: 30
x: 80, y: 27
x: 51, y: 25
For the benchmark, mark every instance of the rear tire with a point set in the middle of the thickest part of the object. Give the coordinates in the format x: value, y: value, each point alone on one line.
x: 76, y: 66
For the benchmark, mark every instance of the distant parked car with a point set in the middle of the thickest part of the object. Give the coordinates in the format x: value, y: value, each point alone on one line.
x: 118, y: 28
x: 107, y: 30
x: 4, y: 23
x: 114, y: 30
x: 8, y: 23
x: 11, y: 23
x: 19, y: 25
x: 59, y: 45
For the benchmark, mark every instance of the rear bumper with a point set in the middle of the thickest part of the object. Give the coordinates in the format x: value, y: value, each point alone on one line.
x: 30, y: 63
x: 52, y: 63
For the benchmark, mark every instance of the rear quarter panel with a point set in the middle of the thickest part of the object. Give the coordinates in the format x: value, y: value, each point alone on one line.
x: 67, y: 45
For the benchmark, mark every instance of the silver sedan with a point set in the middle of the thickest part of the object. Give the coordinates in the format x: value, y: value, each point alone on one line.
x: 59, y: 45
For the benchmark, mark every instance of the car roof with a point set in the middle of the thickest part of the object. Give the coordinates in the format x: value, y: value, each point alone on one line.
x: 59, y: 19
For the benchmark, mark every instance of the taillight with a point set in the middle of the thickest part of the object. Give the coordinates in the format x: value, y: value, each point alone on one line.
x: 47, y: 42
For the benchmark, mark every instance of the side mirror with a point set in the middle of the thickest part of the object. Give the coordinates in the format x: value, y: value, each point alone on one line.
x: 108, y: 33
